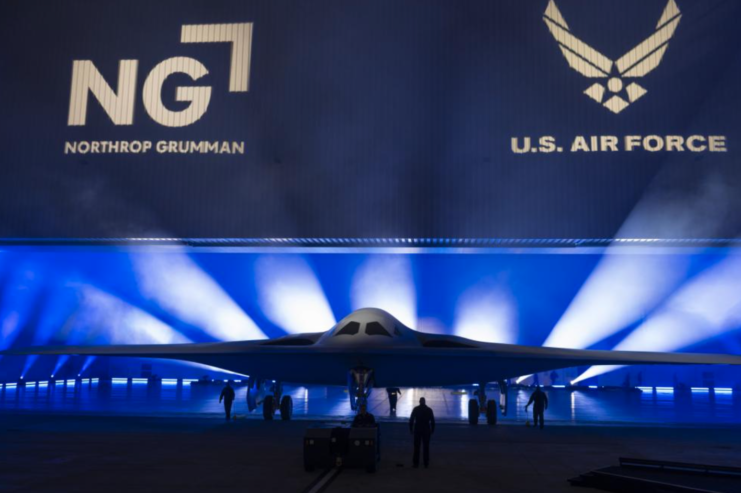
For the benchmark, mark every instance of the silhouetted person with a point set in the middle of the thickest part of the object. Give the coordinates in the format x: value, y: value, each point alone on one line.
x: 422, y: 426
x: 394, y: 394
x: 554, y: 378
x: 364, y: 419
x: 540, y: 404
x: 227, y: 395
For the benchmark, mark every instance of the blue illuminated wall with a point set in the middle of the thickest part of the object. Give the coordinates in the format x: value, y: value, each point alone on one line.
x: 629, y: 298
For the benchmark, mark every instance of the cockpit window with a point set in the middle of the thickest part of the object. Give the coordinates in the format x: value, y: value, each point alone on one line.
x: 350, y: 329
x: 376, y: 329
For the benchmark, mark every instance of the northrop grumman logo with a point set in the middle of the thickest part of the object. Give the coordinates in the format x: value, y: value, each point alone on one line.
x: 119, y: 104
x: 615, y: 94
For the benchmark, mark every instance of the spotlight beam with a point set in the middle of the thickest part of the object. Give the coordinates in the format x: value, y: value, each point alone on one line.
x: 386, y: 282
x: 705, y: 307
x: 175, y: 282
x: 290, y: 294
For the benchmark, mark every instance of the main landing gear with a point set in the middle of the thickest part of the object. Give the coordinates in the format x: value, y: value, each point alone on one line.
x: 482, y: 406
x: 269, y: 393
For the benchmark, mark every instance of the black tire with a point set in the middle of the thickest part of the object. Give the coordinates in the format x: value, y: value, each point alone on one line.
x: 473, y: 412
x: 286, y: 408
x: 267, y: 408
x: 491, y: 412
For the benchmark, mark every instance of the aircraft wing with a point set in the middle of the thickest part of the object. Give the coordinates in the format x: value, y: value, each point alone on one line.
x: 437, y: 361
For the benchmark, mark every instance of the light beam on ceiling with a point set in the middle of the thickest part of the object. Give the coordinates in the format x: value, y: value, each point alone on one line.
x: 624, y: 286
x: 290, y: 294
x: 182, y: 288
x: 386, y: 282
x: 487, y: 312
x: 705, y: 307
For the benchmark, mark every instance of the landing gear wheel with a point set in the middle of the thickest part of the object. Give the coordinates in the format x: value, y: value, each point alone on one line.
x: 286, y: 408
x: 473, y: 412
x: 491, y: 412
x: 267, y: 408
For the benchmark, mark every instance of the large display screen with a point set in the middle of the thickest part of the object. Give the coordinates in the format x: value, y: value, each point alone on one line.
x: 370, y: 118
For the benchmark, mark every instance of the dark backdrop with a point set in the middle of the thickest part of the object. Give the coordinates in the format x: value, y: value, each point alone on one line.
x: 370, y: 118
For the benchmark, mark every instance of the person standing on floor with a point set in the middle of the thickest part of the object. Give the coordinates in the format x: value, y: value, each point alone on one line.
x: 422, y: 426
x: 540, y: 404
x: 227, y: 395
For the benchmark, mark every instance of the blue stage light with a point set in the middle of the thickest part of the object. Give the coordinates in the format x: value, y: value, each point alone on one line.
x: 184, y: 290
x: 386, y: 282
x: 523, y: 378
x: 624, y: 286
x: 61, y: 360
x: 19, y: 295
x: 290, y: 294
x: 707, y: 306
x: 88, y: 361
x: 487, y: 312
x: 119, y: 322
x: 214, y: 369
x: 59, y: 305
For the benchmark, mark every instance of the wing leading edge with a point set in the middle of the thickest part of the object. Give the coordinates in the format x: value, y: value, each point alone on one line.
x: 439, y: 360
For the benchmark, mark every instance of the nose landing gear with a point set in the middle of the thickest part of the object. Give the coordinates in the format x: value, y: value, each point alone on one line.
x: 359, y: 386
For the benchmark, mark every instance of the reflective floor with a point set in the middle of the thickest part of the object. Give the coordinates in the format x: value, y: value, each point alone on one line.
x: 598, y: 406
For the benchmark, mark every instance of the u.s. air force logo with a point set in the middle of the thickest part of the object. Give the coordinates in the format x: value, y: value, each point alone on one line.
x: 614, y: 94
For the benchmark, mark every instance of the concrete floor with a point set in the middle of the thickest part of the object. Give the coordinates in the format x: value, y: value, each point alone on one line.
x: 566, y: 406
x: 94, y: 453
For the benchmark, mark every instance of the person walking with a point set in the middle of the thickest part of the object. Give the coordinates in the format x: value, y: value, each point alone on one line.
x: 422, y: 426
x: 394, y: 393
x: 540, y: 404
x: 227, y: 395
